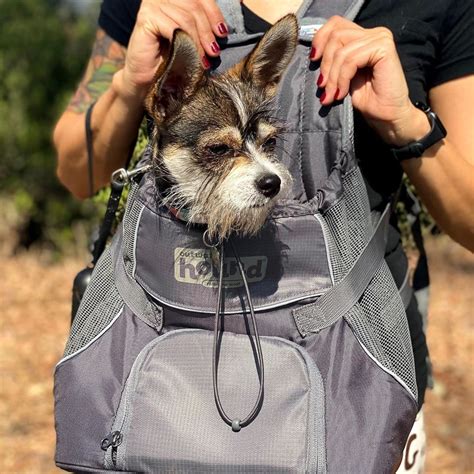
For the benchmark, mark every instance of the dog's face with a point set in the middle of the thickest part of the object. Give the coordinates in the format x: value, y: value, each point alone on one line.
x: 215, y: 136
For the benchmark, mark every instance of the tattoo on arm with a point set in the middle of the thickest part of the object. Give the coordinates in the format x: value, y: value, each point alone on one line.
x: 106, y: 59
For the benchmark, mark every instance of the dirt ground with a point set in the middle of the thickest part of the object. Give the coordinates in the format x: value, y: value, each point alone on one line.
x: 35, y: 305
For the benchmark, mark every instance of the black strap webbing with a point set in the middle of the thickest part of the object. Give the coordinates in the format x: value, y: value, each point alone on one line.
x: 116, y: 189
x: 90, y: 149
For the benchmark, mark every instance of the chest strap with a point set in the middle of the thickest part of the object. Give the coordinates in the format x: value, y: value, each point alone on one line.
x: 337, y: 301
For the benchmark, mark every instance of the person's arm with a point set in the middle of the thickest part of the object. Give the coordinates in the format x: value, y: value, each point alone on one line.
x: 365, y: 63
x: 112, y: 113
x: 119, y: 80
x: 444, y: 175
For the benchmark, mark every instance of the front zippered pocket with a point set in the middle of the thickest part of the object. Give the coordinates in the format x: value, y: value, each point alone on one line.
x: 167, y: 419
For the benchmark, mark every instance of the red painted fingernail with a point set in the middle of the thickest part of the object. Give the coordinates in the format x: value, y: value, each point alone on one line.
x: 336, y: 95
x: 323, y: 97
x: 312, y: 54
x: 206, y: 63
x: 320, y: 79
x: 222, y: 29
x: 215, y: 47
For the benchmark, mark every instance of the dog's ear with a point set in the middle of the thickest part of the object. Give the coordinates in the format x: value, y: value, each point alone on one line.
x: 176, y: 79
x: 269, y: 59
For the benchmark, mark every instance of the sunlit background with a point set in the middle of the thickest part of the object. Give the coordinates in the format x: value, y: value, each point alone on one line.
x: 45, y: 233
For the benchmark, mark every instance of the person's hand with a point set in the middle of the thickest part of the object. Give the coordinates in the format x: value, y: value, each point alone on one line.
x: 364, y: 63
x: 156, y: 21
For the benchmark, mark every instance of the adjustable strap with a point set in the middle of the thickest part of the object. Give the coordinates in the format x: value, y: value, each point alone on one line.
x: 337, y: 301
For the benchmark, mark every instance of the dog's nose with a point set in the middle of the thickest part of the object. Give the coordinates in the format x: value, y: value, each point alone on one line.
x: 269, y: 185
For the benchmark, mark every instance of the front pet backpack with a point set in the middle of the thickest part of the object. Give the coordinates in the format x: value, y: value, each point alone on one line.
x: 328, y: 382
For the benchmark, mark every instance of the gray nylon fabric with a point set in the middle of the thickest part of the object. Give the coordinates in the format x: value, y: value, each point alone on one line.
x: 341, y: 399
x: 368, y: 413
x: 170, y: 387
x: 133, y: 294
x: 87, y: 389
x: 287, y: 261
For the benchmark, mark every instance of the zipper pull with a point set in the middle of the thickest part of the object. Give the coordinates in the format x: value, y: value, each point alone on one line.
x: 113, y: 439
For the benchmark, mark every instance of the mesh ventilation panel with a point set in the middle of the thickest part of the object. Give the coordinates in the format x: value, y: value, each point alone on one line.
x: 101, y: 302
x: 384, y: 311
x: 378, y: 320
x: 130, y: 222
x: 349, y: 222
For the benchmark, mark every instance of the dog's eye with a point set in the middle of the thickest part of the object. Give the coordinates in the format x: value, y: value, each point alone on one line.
x: 269, y: 143
x: 219, y: 150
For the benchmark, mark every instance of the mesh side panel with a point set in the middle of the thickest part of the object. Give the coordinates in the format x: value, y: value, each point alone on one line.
x: 349, y: 222
x: 101, y: 302
x: 385, y: 313
x: 358, y: 207
x: 379, y: 319
x: 130, y: 221
x: 365, y: 333
x: 336, y: 219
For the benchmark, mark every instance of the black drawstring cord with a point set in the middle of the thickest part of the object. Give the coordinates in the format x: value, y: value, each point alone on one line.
x: 235, y: 424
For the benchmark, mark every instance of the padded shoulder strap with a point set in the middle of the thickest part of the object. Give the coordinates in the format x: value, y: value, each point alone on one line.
x: 232, y: 12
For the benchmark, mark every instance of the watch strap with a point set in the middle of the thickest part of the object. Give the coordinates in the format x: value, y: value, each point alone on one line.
x: 417, y: 148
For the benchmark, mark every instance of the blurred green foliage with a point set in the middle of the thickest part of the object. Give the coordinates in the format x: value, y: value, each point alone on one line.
x: 44, y: 47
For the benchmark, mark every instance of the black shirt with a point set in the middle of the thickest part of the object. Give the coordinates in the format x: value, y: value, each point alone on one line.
x: 435, y: 42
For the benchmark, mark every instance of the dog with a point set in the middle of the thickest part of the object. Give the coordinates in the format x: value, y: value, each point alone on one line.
x: 215, y: 135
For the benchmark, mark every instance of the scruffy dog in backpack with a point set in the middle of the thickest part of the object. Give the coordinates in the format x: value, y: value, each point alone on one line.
x: 215, y: 135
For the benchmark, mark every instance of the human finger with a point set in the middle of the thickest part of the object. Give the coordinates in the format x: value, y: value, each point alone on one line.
x: 144, y: 50
x: 187, y: 23
x: 322, y: 36
x: 365, y: 53
x: 151, y: 20
x: 345, y: 63
x: 337, y: 39
x: 215, y: 17
x: 204, y: 29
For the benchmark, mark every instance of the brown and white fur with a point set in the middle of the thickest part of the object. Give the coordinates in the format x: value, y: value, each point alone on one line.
x: 215, y: 135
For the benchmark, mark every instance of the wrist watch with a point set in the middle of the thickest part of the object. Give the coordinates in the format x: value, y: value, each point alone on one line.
x: 417, y: 148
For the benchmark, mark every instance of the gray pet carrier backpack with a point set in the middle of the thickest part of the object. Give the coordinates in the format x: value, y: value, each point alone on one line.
x: 328, y: 382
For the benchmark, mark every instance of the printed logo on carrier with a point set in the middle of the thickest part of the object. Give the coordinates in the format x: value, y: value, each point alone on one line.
x: 196, y: 266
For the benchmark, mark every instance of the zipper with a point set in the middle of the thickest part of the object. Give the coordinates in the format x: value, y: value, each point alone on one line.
x: 113, y: 440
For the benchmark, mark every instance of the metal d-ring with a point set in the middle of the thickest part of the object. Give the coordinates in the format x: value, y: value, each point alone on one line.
x: 208, y: 241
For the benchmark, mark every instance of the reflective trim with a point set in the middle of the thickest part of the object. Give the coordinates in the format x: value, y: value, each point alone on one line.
x: 101, y: 333
x: 326, y: 244
x: 388, y: 371
x: 135, y: 238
